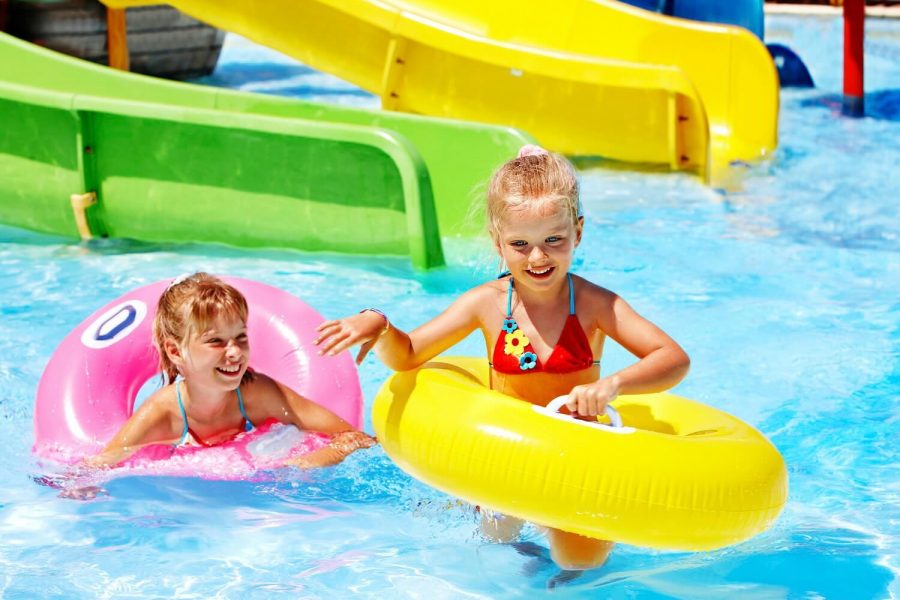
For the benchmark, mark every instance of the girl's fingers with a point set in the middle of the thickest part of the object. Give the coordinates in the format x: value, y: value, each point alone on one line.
x: 332, y: 342
x: 584, y: 406
x: 326, y: 328
x: 581, y: 403
x: 336, y: 336
x: 588, y: 402
x: 363, y: 351
x: 326, y: 346
x: 321, y: 338
x: 343, y: 341
x: 327, y: 324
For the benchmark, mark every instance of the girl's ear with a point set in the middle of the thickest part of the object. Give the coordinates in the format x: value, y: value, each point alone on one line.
x: 579, y: 228
x: 173, y: 351
x: 495, y: 238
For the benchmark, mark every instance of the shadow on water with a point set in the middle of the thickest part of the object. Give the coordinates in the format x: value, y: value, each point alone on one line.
x: 236, y: 74
x: 813, y: 563
x: 883, y: 105
x: 244, y: 75
x: 307, y: 91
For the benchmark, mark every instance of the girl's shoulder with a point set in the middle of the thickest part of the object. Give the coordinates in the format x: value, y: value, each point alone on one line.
x: 162, y: 402
x: 473, y: 307
x: 260, y: 390
x: 478, y: 294
x: 492, y: 287
x: 259, y: 383
x: 484, y: 295
x: 589, y: 295
x: 267, y: 398
x: 589, y: 288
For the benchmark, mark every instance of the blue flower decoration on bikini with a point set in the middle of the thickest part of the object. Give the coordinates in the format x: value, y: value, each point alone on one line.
x: 510, y: 325
x: 528, y: 360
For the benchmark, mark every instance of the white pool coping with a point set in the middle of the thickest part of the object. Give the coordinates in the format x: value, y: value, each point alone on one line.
x: 876, y: 12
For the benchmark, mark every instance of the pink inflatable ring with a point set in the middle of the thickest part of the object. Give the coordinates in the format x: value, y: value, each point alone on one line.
x: 88, y: 389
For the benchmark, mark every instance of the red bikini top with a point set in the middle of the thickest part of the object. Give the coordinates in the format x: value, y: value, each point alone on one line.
x: 514, y: 355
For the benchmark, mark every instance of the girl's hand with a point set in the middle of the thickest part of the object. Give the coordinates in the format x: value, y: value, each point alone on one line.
x: 78, y: 483
x: 590, y: 400
x: 350, y: 441
x: 342, y: 445
x: 364, y: 328
x: 89, y: 492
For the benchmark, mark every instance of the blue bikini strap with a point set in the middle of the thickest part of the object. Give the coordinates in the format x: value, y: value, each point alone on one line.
x: 571, y: 295
x: 184, y: 433
x: 247, y: 426
x: 248, y: 423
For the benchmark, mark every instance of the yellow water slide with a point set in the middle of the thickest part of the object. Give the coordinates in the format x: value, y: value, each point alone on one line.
x: 585, y: 77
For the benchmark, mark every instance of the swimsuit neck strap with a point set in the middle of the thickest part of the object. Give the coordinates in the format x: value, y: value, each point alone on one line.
x: 184, y: 431
x: 571, y: 294
x: 509, y: 294
x: 248, y: 423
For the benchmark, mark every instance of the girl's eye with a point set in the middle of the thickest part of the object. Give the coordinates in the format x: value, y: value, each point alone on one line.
x: 213, y: 341
x: 242, y: 337
x: 518, y: 243
x: 553, y: 239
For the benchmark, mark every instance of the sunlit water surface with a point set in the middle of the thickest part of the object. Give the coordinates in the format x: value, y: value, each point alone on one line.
x: 785, y: 295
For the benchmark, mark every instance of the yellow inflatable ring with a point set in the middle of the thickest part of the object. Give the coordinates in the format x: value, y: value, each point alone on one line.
x: 679, y: 475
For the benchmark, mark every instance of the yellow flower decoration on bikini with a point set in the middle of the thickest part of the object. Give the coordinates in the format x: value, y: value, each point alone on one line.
x: 515, y: 343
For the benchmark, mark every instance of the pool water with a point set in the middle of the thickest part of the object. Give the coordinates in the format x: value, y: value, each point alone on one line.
x: 785, y: 294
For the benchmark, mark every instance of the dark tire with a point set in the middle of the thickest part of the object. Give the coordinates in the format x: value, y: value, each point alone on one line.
x: 162, y: 41
x: 4, y: 7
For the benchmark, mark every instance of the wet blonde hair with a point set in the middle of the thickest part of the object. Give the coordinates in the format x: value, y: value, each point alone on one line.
x: 189, y: 306
x: 534, y: 175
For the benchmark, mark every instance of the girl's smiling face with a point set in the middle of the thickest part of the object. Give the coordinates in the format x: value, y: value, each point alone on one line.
x: 217, y: 357
x: 537, y: 242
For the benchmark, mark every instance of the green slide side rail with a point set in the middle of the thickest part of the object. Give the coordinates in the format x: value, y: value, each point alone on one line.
x: 459, y: 156
x: 181, y: 172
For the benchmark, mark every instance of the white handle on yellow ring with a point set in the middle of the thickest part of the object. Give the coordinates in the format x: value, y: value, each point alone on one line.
x: 553, y: 407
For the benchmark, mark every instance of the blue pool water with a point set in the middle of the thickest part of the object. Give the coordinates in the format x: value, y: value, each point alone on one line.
x: 785, y: 294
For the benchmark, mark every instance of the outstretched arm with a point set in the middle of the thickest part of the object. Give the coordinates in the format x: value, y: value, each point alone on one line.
x: 149, y: 425
x: 286, y: 405
x: 662, y: 362
x: 397, y: 349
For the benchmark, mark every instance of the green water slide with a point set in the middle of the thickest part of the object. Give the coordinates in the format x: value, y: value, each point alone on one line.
x: 176, y: 162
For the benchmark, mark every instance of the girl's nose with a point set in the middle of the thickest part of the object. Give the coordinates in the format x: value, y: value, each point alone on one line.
x: 537, y: 253
x: 233, y: 349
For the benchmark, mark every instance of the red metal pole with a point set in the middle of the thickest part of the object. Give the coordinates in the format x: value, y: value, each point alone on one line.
x: 854, y: 33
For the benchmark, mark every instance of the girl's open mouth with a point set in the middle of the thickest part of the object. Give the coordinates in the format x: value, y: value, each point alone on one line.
x: 232, y: 371
x: 541, y: 273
